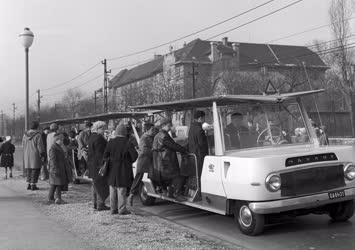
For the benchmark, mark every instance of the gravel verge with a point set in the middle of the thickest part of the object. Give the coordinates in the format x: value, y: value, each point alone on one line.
x: 105, y: 231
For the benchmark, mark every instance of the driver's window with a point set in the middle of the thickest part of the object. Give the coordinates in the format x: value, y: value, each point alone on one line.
x: 255, y: 125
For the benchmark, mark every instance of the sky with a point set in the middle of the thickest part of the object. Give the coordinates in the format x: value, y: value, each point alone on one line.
x: 71, y: 36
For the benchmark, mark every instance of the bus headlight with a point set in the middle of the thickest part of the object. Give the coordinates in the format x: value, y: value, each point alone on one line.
x: 349, y: 171
x: 273, y: 183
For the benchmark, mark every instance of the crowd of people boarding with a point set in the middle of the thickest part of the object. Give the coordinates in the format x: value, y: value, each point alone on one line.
x: 107, y: 159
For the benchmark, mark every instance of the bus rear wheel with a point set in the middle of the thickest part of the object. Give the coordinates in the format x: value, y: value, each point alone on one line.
x: 144, y: 197
x: 249, y: 222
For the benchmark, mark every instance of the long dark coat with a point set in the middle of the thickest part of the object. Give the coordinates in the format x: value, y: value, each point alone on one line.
x: 57, y: 166
x: 198, y: 144
x: 7, y: 151
x: 165, y: 161
x: 96, y: 149
x: 145, y: 156
x: 120, y: 154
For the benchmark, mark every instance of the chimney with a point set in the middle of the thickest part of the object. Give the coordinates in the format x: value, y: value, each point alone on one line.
x: 214, y: 53
x: 236, y: 47
x: 225, y: 41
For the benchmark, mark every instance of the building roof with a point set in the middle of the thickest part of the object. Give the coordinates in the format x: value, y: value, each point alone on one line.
x: 249, y: 54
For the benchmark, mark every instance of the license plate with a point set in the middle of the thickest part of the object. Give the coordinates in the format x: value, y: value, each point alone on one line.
x: 336, y: 194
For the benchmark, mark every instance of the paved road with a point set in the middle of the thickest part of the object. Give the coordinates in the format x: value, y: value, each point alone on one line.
x: 307, y: 232
x: 22, y: 226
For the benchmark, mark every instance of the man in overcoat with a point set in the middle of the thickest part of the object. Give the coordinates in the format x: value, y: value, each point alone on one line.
x: 34, y: 154
x: 166, y: 164
x: 57, y: 170
x: 120, y: 153
x: 145, y: 158
x: 97, y: 144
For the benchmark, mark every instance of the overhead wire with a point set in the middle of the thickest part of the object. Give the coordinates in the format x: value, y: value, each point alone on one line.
x: 256, y: 19
x: 72, y: 79
x: 78, y: 86
x: 191, y: 34
x: 306, y: 31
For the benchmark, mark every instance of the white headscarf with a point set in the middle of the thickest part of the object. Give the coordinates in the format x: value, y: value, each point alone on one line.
x: 97, y: 125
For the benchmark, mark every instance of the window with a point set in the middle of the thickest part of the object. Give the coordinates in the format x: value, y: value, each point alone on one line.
x: 250, y: 126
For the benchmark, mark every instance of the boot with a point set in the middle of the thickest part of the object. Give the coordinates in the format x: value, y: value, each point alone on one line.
x: 130, y: 200
x: 10, y: 175
x: 59, y: 201
x: 103, y: 208
x: 28, y: 187
x: 34, y: 187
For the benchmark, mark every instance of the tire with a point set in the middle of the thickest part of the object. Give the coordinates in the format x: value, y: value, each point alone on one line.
x: 144, y: 197
x: 253, y: 226
x: 342, y: 211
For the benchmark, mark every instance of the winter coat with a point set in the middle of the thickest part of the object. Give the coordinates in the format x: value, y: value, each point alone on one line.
x: 83, y: 142
x: 145, y: 156
x: 7, y: 151
x: 120, y: 153
x: 165, y: 161
x: 97, y: 145
x: 50, y: 141
x: 57, y: 166
x: 198, y: 144
x: 33, y: 149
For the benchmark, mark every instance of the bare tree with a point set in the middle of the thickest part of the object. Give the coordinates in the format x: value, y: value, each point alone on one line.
x: 339, y: 13
x: 72, y: 101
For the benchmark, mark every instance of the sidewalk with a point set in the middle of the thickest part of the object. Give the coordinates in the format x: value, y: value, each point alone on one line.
x: 22, y: 226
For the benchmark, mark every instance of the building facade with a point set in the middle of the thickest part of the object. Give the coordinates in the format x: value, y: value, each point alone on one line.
x: 205, y: 68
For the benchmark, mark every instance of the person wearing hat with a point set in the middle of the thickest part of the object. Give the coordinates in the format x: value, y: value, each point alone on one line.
x: 7, y: 151
x: 57, y: 170
x: 145, y: 158
x: 96, y: 148
x: 83, y: 140
x: 33, y: 154
x: 166, y: 169
x: 53, y: 129
x: 234, y: 129
x: 120, y: 153
x: 197, y: 139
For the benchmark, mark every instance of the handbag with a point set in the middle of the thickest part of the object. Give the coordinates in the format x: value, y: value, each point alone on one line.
x: 104, y: 169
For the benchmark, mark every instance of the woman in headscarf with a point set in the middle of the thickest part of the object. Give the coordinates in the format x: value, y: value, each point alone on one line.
x: 120, y: 153
x: 7, y: 151
x: 96, y: 147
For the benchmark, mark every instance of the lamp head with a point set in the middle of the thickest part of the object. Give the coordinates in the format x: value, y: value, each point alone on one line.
x: 26, y: 38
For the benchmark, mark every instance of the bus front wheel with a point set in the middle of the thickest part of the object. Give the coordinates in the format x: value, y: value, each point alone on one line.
x: 248, y: 222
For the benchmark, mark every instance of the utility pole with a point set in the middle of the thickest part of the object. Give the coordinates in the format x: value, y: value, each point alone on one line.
x: 14, y: 119
x: 39, y: 105
x: 105, y: 87
x: 2, y: 123
x: 95, y: 101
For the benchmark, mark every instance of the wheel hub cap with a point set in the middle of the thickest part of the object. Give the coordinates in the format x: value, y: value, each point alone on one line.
x: 245, y: 216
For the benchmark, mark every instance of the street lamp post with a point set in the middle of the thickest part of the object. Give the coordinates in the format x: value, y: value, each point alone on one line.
x: 27, y: 39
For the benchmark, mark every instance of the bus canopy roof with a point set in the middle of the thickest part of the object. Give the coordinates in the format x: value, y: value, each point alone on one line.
x: 226, y: 100
x: 97, y: 117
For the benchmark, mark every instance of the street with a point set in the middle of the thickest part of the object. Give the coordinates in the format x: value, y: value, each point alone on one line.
x: 24, y: 227
x: 305, y: 232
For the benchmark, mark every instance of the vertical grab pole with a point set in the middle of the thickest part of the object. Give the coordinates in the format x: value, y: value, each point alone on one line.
x: 217, y: 131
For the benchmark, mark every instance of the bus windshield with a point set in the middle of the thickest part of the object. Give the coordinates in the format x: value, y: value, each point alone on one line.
x: 249, y: 126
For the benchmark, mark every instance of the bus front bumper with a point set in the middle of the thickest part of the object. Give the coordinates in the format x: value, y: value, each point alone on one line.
x: 304, y: 202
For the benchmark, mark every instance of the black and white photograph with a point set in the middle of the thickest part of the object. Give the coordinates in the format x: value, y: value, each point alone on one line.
x: 190, y: 124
